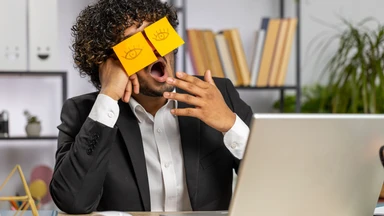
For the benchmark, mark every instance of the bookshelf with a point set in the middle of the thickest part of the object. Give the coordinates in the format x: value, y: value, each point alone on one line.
x: 182, y: 13
x: 62, y: 75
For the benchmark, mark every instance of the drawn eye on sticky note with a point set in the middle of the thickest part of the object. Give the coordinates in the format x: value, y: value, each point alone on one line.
x: 134, y: 53
x: 163, y: 36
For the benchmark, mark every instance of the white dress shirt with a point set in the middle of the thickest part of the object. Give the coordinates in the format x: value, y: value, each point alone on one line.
x: 163, y: 151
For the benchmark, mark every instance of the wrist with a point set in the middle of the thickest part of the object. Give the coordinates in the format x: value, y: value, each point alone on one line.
x: 230, y: 122
x: 110, y: 94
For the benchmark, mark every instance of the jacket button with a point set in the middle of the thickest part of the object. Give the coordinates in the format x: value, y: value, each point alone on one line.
x: 93, y: 142
x: 89, y: 151
x: 95, y: 136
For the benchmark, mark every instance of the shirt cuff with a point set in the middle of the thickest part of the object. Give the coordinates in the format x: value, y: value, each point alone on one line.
x: 105, y: 110
x: 236, y: 138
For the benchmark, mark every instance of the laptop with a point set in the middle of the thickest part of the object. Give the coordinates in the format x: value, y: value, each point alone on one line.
x: 309, y: 164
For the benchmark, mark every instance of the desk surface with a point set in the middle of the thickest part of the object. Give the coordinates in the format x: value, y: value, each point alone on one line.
x: 148, y: 213
x: 152, y: 213
x: 380, y: 203
x: 136, y: 213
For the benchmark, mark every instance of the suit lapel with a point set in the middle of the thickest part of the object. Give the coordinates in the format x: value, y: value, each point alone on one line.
x: 130, y: 131
x: 190, y: 142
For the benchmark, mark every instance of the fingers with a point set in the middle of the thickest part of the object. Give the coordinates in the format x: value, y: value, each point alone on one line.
x: 135, y: 83
x: 190, y: 84
x: 208, y: 77
x: 128, y: 92
x: 186, y: 98
x: 187, y: 112
x: 191, y: 79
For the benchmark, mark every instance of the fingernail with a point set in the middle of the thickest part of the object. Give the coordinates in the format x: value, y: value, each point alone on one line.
x: 166, y: 94
x: 173, y: 111
x: 170, y: 80
x: 179, y: 74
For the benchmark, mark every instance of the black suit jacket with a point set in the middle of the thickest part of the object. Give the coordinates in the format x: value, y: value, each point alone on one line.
x: 99, y: 168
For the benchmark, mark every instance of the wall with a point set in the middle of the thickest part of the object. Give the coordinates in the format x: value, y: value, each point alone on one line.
x: 41, y: 96
x: 317, y: 18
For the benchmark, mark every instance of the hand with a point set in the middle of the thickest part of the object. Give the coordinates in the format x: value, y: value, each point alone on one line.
x: 210, y: 106
x: 115, y: 82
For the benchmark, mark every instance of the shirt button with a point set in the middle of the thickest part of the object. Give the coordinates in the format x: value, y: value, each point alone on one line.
x: 168, y: 164
x: 234, y: 145
x: 110, y: 114
x: 158, y: 130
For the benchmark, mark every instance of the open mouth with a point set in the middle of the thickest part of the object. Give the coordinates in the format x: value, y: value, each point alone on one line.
x: 43, y: 56
x: 157, y: 71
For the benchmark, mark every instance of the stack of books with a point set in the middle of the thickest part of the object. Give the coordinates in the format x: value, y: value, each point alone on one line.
x: 223, y: 53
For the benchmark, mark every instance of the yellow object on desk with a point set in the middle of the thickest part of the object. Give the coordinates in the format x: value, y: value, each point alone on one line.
x: 38, y: 189
x: 27, y: 199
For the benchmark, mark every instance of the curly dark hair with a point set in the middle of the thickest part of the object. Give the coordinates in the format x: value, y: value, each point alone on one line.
x: 101, y: 26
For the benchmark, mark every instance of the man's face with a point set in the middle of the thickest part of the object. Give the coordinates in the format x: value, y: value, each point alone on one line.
x: 152, y: 79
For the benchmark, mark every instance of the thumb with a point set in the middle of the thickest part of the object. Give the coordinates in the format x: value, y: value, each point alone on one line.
x: 208, y: 77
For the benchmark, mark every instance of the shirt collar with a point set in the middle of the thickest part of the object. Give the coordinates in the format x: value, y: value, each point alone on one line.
x: 137, y: 109
x: 140, y: 112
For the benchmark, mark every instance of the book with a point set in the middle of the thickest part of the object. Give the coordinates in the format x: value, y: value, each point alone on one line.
x: 287, y: 49
x: 225, y: 58
x: 278, y: 53
x: 258, y: 50
x: 272, y: 27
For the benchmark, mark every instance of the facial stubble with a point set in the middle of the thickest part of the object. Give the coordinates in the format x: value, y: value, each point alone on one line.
x: 145, y: 89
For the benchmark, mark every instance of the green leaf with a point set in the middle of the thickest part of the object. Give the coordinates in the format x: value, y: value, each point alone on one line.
x: 354, y: 73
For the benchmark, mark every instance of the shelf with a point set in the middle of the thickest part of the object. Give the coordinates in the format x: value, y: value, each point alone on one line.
x: 61, y: 74
x: 30, y: 73
x: 267, y: 88
x: 29, y: 138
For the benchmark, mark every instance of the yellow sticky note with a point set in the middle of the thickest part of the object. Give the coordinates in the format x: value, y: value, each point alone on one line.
x: 163, y: 36
x: 135, y: 53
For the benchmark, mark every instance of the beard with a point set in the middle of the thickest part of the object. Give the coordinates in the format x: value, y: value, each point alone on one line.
x: 157, y: 91
x: 147, y: 91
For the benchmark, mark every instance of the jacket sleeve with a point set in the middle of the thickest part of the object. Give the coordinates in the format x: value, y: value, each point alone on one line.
x: 81, y: 161
x: 238, y: 106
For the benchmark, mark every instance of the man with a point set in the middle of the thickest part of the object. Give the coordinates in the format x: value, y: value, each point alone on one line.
x: 153, y: 141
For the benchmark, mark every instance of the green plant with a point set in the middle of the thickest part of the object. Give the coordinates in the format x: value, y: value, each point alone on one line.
x: 315, y: 99
x: 31, y: 118
x: 355, y: 72
x: 289, y: 104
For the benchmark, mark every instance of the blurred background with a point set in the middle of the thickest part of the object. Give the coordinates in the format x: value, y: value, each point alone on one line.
x: 329, y: 55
